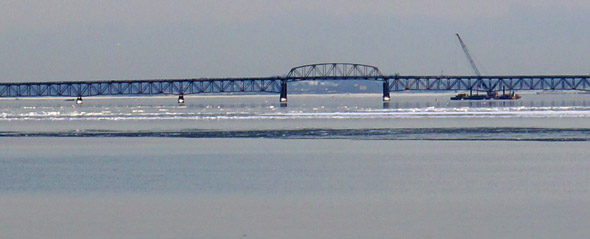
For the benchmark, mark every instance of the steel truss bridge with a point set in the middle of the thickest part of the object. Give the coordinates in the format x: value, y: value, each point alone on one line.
x: 278, y: 84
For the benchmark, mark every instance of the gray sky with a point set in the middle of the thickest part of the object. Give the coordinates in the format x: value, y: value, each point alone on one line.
x: 111, y: 39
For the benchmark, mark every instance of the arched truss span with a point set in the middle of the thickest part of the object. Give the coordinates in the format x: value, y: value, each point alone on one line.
x: 335, y: 70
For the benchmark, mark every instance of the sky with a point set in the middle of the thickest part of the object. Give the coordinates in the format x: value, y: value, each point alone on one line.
x: 54, y: 40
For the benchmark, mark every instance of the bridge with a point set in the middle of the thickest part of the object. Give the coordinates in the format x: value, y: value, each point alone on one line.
x: 279, y: 84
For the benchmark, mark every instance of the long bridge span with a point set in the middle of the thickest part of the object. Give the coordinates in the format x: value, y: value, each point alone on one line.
x: 279, y: 84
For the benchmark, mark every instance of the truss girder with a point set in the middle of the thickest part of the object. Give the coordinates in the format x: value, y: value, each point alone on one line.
x: 273, y: 84
x: 488, y: 83
x: 142, y: 87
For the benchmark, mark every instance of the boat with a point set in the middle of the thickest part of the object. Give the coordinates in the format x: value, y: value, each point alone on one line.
x: 477, y: 97
x: 465, y: 96
x: 504, y: 96
x: 459, y: 96
x: 510, y: 96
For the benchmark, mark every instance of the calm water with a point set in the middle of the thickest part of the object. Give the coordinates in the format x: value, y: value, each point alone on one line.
x: 325, y: 166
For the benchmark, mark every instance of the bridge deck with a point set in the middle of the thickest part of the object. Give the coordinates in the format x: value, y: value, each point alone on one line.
x: 273, y: 85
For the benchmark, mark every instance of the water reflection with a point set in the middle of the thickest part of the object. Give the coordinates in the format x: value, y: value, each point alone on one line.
x: 486, y: 104
x: 263, y: 105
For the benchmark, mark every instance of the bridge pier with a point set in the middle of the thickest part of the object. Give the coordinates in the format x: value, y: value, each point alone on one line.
x: 386, y: 96
x: 283, y: 97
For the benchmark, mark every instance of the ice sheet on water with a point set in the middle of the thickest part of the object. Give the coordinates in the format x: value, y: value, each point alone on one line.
x: 156, y: 113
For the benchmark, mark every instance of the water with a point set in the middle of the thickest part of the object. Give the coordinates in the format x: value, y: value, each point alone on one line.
x: 325, y: 166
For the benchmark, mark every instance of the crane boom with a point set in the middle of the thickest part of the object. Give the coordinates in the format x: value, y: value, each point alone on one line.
x: 475, y: 70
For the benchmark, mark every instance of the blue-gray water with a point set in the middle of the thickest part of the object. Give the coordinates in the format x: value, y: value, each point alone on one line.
x: 325, y: 166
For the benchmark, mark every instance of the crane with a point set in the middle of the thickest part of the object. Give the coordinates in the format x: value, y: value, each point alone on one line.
x: 475, y: 70
x: 490, y: 93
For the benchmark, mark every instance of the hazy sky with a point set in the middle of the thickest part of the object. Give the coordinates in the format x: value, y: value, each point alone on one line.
x: 113, y: 39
